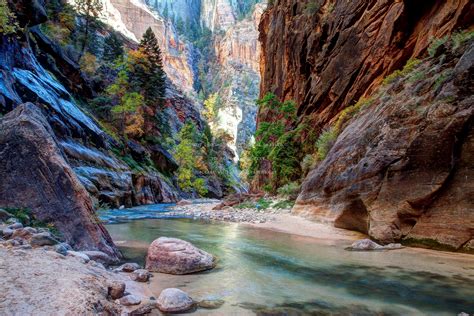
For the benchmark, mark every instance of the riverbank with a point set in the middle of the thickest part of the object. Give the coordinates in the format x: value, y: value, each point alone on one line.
x: 271, y: 218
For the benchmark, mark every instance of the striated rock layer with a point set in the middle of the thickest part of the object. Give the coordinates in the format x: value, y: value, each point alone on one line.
x: 35, y: 175
x: 401, y: 169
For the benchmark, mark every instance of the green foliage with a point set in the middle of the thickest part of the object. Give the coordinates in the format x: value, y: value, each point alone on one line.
x: 285, y: 204
x: 211, y: 106
x: 129, y: 103
x: 276, y: 142
x: 409, y: 67
x: 8, y: 22
x: 312, y: 7
x: 21, y: 214
x: 308, y: 163
x: 325, y: 142
x: 459, y: 38
x: 435, y: 44
x: 90, y: 11
x: 349, y: 112
x: 154, y: 84
x: 263, y: 204
x: 113, y: 48
x: 27, y: 218
x: 289, y: 190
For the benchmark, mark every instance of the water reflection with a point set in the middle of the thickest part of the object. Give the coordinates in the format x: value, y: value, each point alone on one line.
x: 270, y: 273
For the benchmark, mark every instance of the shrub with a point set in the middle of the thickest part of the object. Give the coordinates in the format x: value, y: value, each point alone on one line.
x: 325, y: 142
x: 8, y: 22
x: 285, y: 204
x: 349, y: 112
x: 460, y: 38
x: 435, y: 44
x: 309, y: 162
x: 409, y: 67
x: 312, y: 7
x: 290, y: 190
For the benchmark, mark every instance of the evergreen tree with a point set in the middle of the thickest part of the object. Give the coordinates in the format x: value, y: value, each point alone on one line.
x: 155, y: 85
x: 90, y: 11
x: 113, y: 48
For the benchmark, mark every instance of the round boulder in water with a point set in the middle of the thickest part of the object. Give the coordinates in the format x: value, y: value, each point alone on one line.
x: 176, y: 256
x: 174, y: 301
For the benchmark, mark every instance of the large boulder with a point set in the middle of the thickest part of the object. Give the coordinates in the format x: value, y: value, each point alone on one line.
x: 174, y: 301
x: 35, y: 175
x: 176, y: 256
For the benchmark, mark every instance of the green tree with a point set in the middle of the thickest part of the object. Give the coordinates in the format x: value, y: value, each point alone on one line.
x: 90, y: 12
x: 155, y: 85
x: 8, y: 22
x: 113, y: 48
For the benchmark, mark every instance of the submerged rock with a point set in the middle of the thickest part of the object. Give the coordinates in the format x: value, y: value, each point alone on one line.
x: 176, y: 256
x: 174, y: 300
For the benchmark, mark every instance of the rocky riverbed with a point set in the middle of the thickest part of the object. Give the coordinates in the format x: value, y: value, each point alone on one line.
x: 247, y: 212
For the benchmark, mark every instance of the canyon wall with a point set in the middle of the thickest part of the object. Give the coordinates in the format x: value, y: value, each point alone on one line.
x: 232, y: 64
x: 133, y: 17
x: 400, y: 168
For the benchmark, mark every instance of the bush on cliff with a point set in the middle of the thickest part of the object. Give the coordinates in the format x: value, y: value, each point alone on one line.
x: 8, y: 22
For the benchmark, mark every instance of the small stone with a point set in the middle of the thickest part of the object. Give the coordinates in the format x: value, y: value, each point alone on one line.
x: 62, y: 248
x: 365, y: 244
x: 184, y: 203
x: 22, y: 233
x: 16, y: 226
x: 79, y: 255
x: 100, y: 257
x: 211, y: 304
x: 174, y: 300
x: 42, y: 239
x: 140, y: 275
x: 7, y: 233
x: 116, y: 289
x: 130, y: 300
x: 4, y: 215
x: 128, y: 267
x: 143, y: 310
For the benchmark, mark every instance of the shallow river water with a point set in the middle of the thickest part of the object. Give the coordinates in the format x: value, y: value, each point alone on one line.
x: 272, y: 273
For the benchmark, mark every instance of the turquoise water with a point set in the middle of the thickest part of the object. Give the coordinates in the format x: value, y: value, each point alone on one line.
x: 271, y: 273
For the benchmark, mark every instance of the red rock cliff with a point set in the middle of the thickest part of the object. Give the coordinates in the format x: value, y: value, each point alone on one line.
x: 401, y: 169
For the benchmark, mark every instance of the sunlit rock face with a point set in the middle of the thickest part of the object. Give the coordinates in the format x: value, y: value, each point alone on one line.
x: 217, y: 14
x: 133, y: 17
x: 399, y: 170
x: 237, y: 53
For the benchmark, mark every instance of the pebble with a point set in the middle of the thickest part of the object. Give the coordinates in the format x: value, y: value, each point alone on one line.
x: 16, y: 226
x: 140, y: 275
x: 130, y: 300
x: 42, y: 239
x: 116, y: 289
x: 128, y: 267
x: 62, y: 248
x: 79, y: 255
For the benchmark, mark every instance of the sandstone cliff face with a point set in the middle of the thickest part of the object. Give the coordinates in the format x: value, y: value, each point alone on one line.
x: 400, y: 170
x: 133, y: 17
x: 37, y: 176
x: 237, y: 56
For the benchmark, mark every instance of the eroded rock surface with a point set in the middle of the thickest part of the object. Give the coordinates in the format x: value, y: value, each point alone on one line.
x: 401, y: 169
x: 35, y: 175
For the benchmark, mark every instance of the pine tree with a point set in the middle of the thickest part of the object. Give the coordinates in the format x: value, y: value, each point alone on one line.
x: 155, y: 86
x: 90, y: 11
x: 113, y: 48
